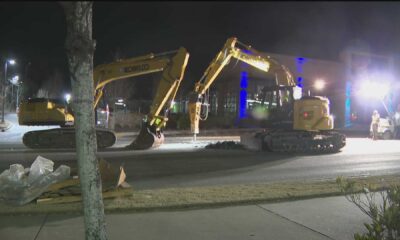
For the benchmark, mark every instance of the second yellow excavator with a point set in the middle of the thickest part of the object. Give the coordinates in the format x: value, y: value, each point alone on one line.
x: 50, y: 112
x: 295, y: 125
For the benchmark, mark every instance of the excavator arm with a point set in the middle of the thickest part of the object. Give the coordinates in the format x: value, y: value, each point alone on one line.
x: 246, y: 54
x: 172, y: 64
x: 173, y: 69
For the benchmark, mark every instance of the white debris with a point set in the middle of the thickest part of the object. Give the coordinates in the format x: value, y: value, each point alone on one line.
x: 19, y: 185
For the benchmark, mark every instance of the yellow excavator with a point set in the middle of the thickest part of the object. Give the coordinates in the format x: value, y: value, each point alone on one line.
x: 294, y: 125
x: 51, y: 112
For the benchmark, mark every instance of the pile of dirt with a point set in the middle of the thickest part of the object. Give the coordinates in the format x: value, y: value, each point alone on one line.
x: 226, y: 145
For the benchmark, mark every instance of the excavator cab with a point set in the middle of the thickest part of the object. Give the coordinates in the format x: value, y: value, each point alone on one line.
x: 309, y: 113
x: 277, y: 102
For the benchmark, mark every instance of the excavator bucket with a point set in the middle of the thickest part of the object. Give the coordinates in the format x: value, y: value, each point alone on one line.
x: 146, y: 139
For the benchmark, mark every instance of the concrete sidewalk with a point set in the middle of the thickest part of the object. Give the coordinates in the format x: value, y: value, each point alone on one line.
x: 319, y: 218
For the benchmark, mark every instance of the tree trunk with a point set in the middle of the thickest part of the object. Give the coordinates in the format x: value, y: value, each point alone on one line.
x: 80, y: 49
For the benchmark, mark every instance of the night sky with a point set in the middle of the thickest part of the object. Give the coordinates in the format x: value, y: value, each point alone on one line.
x: 34, y: 32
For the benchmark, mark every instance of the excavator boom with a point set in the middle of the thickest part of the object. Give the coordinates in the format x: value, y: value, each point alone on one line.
x: 233, y: 49
x: 172, y: 64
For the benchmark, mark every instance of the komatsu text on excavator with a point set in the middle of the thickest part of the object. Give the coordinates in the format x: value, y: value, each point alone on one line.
x: 171, y: 64
x: 295, y: 125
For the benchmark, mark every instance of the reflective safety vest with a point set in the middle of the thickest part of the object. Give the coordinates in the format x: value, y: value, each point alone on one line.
x: 375, y: 119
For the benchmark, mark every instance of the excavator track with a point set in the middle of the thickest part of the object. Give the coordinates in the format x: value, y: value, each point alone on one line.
x: 64, y: 138
x: 291, y: 141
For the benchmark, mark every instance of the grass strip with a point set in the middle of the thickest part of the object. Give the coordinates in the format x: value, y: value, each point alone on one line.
x: 209, y: 196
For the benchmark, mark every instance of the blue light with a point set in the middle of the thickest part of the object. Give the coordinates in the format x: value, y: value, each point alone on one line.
x: 242, y: 103
x: 390, y: 102
x: 300, y: 82
x: 243, y: 80
x: 299, y: 64
x: 347, y: 105
x: 243, y: 95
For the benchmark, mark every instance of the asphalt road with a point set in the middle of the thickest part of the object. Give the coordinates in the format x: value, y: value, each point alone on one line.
x: 182, y: 163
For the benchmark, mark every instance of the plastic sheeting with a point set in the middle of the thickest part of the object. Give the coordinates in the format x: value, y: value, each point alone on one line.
x: 19, y: 185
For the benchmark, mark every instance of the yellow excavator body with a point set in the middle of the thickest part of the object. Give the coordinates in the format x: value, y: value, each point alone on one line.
x: 44, y: 111
x: 297, y: 125
x: 48, y: 112
x: 312, y: 114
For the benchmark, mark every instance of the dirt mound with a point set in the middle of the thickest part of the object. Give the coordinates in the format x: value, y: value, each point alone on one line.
x: 226, y: 145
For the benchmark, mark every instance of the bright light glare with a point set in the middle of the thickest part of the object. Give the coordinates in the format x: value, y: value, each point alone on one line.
x: 319, y: 84
x: 11, y: 61
x: 67, y: 97
x: 120, y: 100
x: 259, y: 63
x: 14, y: 80
x: 355, y: 146
x: 262, y: 65
x: 297, y: 92
x: 374, y: 90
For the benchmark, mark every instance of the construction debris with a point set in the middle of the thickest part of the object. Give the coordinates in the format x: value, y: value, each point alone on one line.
x: 69, y: 194
x: 19, y: 186
x: 68, y: 191
x: 111, y: 177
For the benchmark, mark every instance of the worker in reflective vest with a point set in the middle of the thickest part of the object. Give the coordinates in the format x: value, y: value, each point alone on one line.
x: 375, y: 124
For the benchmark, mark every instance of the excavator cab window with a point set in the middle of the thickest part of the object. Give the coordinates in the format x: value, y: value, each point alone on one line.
x: 278, y: 101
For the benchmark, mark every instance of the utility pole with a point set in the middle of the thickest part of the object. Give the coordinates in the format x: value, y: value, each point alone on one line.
x: 12, y: 62
x: 3, y: 102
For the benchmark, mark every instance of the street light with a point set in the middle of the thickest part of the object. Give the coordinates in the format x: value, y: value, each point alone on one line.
x: 67, y: 97
x: 18, y: 93
x: 14, y: 81
x: 319, y: 84
x: 374, y: 90
x: 11, y: 62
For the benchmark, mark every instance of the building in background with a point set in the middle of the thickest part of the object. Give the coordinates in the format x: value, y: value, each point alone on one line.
x: 236, y: 89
